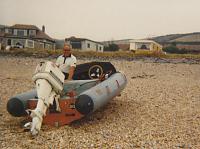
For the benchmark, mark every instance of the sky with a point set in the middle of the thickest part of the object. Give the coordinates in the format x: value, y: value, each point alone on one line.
x: 102, y: 20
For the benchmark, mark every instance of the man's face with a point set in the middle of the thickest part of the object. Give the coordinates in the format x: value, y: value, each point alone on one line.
x: 66, y: 51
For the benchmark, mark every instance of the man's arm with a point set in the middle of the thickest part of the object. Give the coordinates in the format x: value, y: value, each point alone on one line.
x: 71, y: 72
x: 72, y: 68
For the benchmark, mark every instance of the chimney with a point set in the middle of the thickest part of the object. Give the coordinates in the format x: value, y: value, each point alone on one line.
x: 43, y: 28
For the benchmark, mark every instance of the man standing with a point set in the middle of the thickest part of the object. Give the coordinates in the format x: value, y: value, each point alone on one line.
x: 67, y: 62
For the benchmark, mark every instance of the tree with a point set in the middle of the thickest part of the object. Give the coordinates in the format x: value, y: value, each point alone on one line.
x: 112, y: 47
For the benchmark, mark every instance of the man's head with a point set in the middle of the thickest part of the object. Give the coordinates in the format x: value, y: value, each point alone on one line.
x: 66, y: 50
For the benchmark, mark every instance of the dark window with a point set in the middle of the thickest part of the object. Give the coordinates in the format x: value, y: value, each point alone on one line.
x: 9, y: 42
x: 32, y: 32
x: 143, y: 47
x: 88, y: 45
x: 18, y: 44
x: 75, y: 44
x: 20, y: 32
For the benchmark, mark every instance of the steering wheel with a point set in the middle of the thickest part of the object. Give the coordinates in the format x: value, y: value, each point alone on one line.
x: 95, y: 72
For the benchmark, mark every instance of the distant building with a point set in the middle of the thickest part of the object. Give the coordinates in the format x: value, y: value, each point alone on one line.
x: 85, y: 44
x: 27, y: 36
x: 123, y: 44
x: 145, y: 45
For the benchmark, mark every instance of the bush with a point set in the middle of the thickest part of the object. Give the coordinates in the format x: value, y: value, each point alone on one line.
x: 111, y: 47
x: 173, y: 49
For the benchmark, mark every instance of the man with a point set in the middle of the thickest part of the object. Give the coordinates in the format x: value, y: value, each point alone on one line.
x: 67, y: 62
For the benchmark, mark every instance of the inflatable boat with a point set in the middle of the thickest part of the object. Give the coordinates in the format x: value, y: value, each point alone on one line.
x: 56, y: 102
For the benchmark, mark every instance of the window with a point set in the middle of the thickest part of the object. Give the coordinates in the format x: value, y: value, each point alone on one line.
x: 88, y: 45
x: 41, y: 46
x: 75, y: 44
x: 32, y: 32
x: 20, y: 32
x: 9, y: 42
x: 143, y: 47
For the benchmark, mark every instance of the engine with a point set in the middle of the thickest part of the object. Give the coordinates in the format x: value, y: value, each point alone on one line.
x: 49, y: 82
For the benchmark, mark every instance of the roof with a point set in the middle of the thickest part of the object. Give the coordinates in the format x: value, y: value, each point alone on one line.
x: 74, y: 39
x: 24, y: 26
x: 42, y: 35
x: 39, y: 35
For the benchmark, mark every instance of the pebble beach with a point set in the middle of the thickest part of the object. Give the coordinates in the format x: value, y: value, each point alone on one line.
x: 159, y: 108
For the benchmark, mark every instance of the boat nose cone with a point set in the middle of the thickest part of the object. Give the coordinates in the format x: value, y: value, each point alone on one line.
x: 84, y: 104
x: 15, y: 107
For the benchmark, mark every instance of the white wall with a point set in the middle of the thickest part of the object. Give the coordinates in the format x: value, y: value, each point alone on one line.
x: 7, y: 30
x: 91, y: 46
x: 100, y: 48
x: 132, y: 46
x: 150, y: 45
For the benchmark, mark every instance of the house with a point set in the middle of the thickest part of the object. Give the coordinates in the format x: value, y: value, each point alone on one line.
x: 84, y: 44
x: 27, y: 36
x: 145, y: 45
